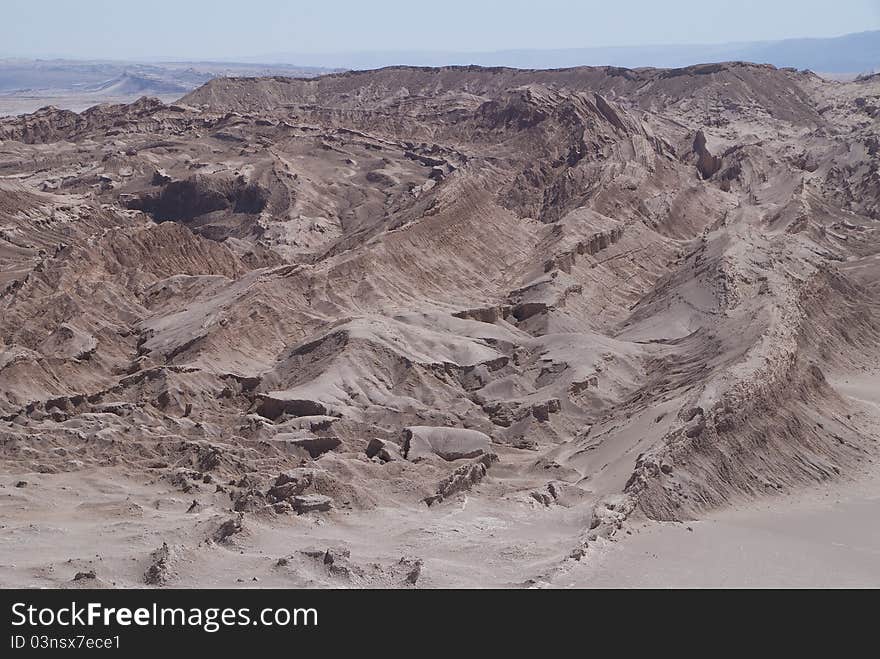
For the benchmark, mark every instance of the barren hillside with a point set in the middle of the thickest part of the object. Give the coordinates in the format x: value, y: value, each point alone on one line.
x: 429, y: 326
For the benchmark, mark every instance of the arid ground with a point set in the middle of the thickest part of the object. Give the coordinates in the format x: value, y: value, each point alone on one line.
x: 465, y: 327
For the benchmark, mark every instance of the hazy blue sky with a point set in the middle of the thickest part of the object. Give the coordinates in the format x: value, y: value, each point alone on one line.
x: 238, y: 28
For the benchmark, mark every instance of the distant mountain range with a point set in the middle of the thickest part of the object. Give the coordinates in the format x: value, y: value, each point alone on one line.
x: 30, y: 75
x: 27, y: 84
x: 852, y: 53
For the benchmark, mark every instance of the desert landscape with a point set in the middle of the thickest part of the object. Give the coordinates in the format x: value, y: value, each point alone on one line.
x: 27, y: 85
x: 445, y: 327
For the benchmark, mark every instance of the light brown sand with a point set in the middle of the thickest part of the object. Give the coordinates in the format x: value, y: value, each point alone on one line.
x: 829, y: 538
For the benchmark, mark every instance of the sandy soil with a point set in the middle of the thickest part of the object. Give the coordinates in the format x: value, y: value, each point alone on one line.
x: 823, y: 537
x: 109, y: 523
x: 826, y: 538
x: 112, y: 525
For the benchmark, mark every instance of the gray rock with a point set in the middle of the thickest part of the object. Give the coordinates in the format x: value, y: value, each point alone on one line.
x: 316, y: 446
x: 384, y: 450
x: 413, y: 569
x: 274, y: 406
x: 160, y: 177
x: 462, y: 479
x: 157, y: 573
x: 290, y: 484
x: 227, y: 529
x: 447, y: 443
x: 307, y: 503
x: 542, y: 411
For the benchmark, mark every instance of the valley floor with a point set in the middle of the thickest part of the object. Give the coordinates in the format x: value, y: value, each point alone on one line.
x: 828, y: 538
x: 824, y: 537
x: 109, y: 522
